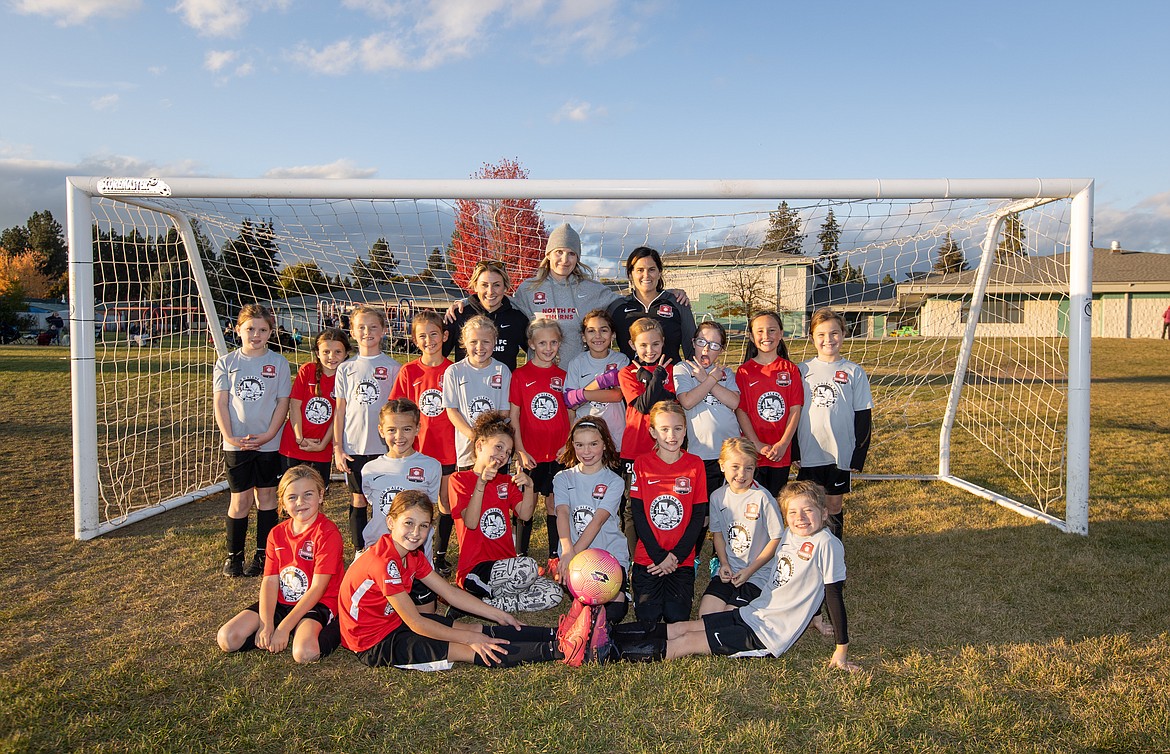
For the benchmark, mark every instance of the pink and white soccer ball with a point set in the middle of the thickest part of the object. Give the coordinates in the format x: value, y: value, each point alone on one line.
x: 595, y: 576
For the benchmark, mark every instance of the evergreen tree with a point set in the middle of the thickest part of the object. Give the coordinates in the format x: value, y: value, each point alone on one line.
x: 950, y: 256
x: 830, y: 241
x: 1011, y: 243
x: 888, y: 279
x: 303, y: 279
x: 380, y: 266
x: 247, y: 266
x: 783, y: 235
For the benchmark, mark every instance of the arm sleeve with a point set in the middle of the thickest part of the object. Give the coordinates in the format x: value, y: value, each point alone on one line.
x: 655, y: 391
x: 645, y: 531
x: 862, y: 430
x: 686, y: 544
x: 835, y: 602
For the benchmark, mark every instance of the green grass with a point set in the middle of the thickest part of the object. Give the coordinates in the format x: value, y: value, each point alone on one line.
x: 977, y: 630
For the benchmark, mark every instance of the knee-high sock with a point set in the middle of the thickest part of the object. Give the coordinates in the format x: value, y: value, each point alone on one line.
x: 638, y: 630
x: 237, y: 532
x: 265, y: 522
x: 836, y: 524
x: 358, y: 518
x: 522, y: 652
x: 524, y: 536
x: 446, y: 524
x: 554, y: 534
x: 524, y: 633
x: 640, y: 650
x: 615, y: 612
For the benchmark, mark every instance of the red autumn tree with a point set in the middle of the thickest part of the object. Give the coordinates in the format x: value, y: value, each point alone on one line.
x: 510, y: 230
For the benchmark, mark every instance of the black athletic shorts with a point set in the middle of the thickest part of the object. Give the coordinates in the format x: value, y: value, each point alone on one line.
x: 728, y: 635
x: 324, y: 468
x: 773, y: 478
x: 737, y: 596
x: 834, y: 480
x: 449, y: 469
x: 421, y: 594
x: 663, y: 598
x: 328, y: 640
x: 404, y: 648
x: 353, y: 479
x: 542, y: 476
x: 248, y: 469
x: 714, y: 476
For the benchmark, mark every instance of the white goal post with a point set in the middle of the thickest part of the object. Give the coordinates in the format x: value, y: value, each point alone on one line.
x: 981, y: 359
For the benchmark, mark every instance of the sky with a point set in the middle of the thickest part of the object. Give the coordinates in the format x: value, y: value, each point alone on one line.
x: 591, y: 89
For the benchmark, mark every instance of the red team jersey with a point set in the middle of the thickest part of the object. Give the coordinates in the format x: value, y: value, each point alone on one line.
x: 492, y: 540
x: 366, y: 616
x: 637, y: 441
x: 544, y: 418
x: 767, y: 393
x: 296, y: 558
x: 668, y: 493
x: 317, y: 410
x: 424, y: 386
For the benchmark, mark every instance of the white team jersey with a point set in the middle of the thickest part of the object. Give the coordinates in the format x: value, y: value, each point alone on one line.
x: 364, y: 382
x: 833, y: 392
x: 585, y: 369
x: 471, y: 392
x: 384, y: 477
x: 584, y: 495
x: 255, y: 384
x: 795, y: 589
x: 709, y: 422
x: 748, y: 521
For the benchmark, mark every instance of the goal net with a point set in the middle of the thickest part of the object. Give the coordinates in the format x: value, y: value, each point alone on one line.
x: 965, y: 303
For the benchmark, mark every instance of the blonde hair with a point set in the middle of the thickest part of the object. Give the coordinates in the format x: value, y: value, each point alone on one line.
x: 667, y: 407
x: 802, y: 488
x: 362, y: 310
x: 478, y: 322
x: 489, y: 265
x: 543, y: 323
x: 737, y: 446
x: 644, y: 325
x: 296, y: 474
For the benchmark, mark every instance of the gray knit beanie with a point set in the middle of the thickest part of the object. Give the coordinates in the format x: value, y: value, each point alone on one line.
x: 564, y: 237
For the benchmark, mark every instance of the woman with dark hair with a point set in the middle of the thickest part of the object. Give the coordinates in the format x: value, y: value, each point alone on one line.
x: 488, y: 283
x: 648, y: 298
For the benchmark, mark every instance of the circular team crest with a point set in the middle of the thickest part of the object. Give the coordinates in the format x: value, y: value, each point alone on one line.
x: 493, y: 524
x: 710, y: 399
x: 544, y: 406
x: 783, y: 571
x: 318, y: 410
x: 392, y: 571
x: 666, y: 512
x: 582, y: 517
x: 430, y: 403
x: 293, y: 583
x: 771, y: 407
x: 367, y: 392
x: 740, y: 540
x: 477, y: 407
x: 250, y: 389
x: 387, y: 498
x: 823, y: 395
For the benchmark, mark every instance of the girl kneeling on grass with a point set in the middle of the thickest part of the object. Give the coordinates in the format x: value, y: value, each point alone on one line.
x: 302, y: 576
x: 381, y: 624
x: 809, y: 568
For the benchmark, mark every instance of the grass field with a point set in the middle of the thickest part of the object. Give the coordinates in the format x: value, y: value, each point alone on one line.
x: 977, y: 630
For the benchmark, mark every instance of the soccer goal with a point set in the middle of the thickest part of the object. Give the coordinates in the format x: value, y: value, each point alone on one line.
x: 968, y: 304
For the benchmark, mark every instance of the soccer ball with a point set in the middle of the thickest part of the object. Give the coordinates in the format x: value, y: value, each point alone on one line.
x: 595, y: 576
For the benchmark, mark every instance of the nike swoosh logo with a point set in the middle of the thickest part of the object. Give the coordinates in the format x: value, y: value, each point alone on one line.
x: 416, y: 383
x: 503, y: 326
x: 632, y: 310
x: 653, y: 481
x: 278, y: 548
x: 752, y: 384
x: 529, y: 384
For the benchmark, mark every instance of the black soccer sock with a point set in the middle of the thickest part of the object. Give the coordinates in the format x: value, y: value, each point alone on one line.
x: 446, y: 524
x: 643, y: 650
x: 836, y: 524
x: 265, y: 522
x: 639, y: 630
x: 358, y: 518
x: 524, y: 528
x: 554, y: 535
x: 523, y: 652
x: 524, y: 633
x: 237, y: 533
x: 616, y: 612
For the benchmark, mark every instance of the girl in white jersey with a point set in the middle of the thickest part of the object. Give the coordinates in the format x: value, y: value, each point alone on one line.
x: 474, y: 386
x: 583, y: 392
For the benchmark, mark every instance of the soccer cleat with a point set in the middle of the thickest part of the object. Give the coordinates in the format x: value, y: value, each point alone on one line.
x: 573, y: 630
x: 256, y: 567
x: 552, y: 570
x: 442, y: 567
x: 599, y: 643
x: 714, y: 565
x: 233, y: 567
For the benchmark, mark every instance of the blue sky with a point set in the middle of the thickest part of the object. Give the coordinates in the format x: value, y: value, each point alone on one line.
x: 591, y: 89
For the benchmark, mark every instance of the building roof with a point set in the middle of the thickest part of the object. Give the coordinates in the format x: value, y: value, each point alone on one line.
x: 857, y: 297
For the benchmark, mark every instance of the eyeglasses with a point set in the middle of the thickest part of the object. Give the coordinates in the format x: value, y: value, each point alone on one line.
x: 708, y: 344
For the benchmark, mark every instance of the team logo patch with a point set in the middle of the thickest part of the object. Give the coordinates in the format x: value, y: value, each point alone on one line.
x: 823, y: 395
x: 665, y: 310
x: 250, y: 389
x: 502, y: 490
x: 783, y: 571
x: 556, y: 383
x: 386, y: 499
x: 806, y: 551
x: 381, y: 373
x: 751, y: 511
x: 582, y: 517
x: 497, y: 381
x: 430, y: 403
x: 784, y: 379
x: 771, y: 407
x: 538, y: 297
x: 393, y: 572
x: 414, y: 474
x: 367, y: 392
x: 841, y: 377
x: 682, y: 485
x: 477, y: 407
x: 599, y: 491
x: 492, y: 524
x: 740, y: 540
x: 318, y: 410
x: 306, y: 551
x: 666, y: 512
x: 293, y: 583
x: 269, y: 370
x: 544, y: 406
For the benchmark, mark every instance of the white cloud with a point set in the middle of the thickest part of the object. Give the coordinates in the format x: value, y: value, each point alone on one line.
x: 73, y: 12
x: 215, y: 60
x: 578, y: 112
x: 341, y: 168
x: 156, y: 70
x: 332, y: 60
x: 105, y: 102
x: 216, y: 18
x: 1144, y: 227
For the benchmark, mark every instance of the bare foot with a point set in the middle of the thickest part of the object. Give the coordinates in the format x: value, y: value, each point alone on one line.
x: 824, y: 627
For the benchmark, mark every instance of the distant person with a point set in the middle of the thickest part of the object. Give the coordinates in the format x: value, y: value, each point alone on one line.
x: 56, y: 324
x: 1166, y: 323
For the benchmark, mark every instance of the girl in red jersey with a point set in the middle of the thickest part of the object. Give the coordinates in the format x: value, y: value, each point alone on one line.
x: 668, y: 500
x: 645, y: 382
x: 380, y: 623
x: 771, y: 397
x: 421, y: 381
x: 541, y: 420
x: 308, y: 435
x: 483, y: 500
x: 302, y: 577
